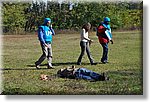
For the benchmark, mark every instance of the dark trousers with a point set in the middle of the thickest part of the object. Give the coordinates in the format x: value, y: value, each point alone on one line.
x: 105, y: 52
x: 85, y: 47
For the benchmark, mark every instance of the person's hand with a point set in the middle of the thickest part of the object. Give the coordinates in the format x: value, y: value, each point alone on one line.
x: 46, y: 45
x: 111, y: 41
x: 90, y: 42
x: 51, y: 25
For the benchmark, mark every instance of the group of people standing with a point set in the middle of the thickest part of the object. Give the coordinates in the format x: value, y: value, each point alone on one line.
x: 45, y: 33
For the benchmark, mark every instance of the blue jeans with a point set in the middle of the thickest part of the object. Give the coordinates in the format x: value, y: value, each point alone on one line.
x: 105, y: 52
x: 83, y: 73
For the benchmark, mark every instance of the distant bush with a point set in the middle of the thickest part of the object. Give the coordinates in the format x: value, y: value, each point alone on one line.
x: 18, y: 17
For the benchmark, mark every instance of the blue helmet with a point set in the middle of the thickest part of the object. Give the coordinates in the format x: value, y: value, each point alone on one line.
x: 106, y: 19
x: 46, y: 20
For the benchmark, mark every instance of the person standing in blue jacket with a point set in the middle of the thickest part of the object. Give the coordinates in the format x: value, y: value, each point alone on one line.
x: 45, y: 33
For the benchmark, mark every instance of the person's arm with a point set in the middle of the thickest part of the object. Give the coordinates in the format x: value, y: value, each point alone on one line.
x: 109, y: 35
x: 40, y: 35
x: 52, y: 30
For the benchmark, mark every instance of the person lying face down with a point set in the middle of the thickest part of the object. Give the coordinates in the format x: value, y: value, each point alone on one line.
x: 78, y: 73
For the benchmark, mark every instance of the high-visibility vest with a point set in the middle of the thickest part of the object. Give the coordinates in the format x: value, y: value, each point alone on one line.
x: 47, y: 33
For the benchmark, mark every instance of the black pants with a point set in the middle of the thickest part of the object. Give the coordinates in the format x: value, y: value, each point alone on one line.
x: 85, y: 47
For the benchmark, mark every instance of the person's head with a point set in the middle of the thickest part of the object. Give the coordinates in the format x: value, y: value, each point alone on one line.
x: 106, y: 20
x: 47, y: 21
x: 86, y: 26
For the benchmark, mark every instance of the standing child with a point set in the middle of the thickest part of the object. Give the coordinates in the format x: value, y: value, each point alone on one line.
x: 84, y: 44
x: 45, y: 33
x: 104, y: 36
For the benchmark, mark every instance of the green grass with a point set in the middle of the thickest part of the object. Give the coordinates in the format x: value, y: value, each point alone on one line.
x: 124, y: 69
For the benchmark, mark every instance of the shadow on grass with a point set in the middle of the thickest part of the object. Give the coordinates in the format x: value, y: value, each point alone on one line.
x: 59, y: 64
x: 69, y: 63
x: 22, y: 69
x: 33, y: 66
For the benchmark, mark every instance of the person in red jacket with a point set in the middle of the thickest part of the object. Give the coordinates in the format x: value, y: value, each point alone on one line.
x: 104, y: 36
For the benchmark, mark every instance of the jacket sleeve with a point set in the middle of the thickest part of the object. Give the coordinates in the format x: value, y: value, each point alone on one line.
x: 108, y: 31
x: 40, y: 35
x: 108, y: 34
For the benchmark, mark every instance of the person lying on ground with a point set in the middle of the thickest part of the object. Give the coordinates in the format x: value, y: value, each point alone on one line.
x: 78, y: 73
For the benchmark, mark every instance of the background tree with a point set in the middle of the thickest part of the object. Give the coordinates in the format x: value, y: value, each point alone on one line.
x: 13, y: 16
x: 67, y: 15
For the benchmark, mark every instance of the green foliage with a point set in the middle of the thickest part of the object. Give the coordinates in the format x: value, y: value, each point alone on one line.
x: 13, y: 16
x: 124, y: 15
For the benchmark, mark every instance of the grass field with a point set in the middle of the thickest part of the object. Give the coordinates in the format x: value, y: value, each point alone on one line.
x: 125, y: 67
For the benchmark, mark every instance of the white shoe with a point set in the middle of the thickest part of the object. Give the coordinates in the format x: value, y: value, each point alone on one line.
x: 50, y: 66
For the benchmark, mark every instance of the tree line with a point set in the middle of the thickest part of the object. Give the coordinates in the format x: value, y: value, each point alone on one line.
x: 27, y: 17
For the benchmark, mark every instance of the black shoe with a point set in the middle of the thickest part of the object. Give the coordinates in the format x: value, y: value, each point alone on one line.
x: 93, y: 63
x: 37, y: 66
x: 50, y: 67
x: 104, y: 62
x: 92, y: 80
x: 78, y: 63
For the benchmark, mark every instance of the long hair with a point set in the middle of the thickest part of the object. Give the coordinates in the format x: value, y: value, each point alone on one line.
x: 86, y: 26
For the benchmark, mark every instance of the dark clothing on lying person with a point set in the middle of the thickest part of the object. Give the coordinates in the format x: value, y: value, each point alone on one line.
x: 81, y: 73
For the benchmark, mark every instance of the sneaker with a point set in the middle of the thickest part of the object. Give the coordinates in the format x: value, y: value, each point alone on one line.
x: 37, y: 66
x: 78, y: 63
x: 50, y: 66
x: 92, y: 80
x: 104, y: 62
x: 93, y: 63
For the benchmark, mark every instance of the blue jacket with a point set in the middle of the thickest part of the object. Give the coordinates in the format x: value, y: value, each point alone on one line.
x: 45, y: 34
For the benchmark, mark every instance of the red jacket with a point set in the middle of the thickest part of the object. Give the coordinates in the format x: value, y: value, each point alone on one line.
x: 101, y: 35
